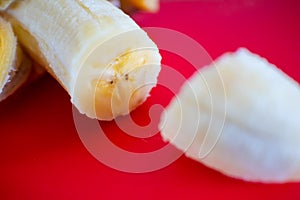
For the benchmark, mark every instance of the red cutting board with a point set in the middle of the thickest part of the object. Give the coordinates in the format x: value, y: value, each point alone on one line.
x: 42, y: 156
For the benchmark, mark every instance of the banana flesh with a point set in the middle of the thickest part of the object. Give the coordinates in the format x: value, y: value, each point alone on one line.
x: 99, y: 55
x: 239, y: 116
x: 14, y: 65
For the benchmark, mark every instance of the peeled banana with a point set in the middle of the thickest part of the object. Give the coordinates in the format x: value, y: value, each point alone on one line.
x: 105, y: 61
x: 14, y: 65
x: 239, y: 116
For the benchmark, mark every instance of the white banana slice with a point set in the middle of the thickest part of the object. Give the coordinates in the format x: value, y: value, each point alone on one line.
x: 14, y: 66
x: 105, y: 61
x: 241, y: 117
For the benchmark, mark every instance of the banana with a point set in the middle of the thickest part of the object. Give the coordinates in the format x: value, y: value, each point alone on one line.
x: 14, y: 65
x: 103, y: 59
x: 239, y: 116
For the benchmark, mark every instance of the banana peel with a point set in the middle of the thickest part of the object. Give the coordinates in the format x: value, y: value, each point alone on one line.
x: 143, y: 5
x: 15, y: 67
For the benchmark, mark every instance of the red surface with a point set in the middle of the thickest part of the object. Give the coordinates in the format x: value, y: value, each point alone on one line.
x: 42, y: 156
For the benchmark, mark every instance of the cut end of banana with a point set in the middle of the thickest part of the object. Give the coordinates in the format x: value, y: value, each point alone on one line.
x: 116, y: 88
x: 127, y: 83
x: 239, y: 116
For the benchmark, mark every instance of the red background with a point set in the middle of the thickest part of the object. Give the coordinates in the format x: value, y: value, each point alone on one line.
x: 42, y: 157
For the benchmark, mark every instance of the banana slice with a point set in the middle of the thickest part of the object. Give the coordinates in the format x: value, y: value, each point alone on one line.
x: 241, y: 117
x: 105, y: 61
x: 14, y: 66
